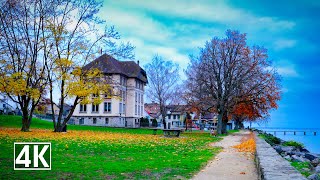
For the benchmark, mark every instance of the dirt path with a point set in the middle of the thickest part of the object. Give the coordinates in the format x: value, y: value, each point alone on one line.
x: 230, y: 164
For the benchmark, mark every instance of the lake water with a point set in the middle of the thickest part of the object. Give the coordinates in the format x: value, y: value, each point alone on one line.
x: 311, y: 141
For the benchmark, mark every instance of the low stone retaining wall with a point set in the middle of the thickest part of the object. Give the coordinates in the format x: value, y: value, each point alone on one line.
x: 271, y: 166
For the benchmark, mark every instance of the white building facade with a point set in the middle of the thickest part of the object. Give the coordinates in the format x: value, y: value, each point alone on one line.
x: 125, y: 108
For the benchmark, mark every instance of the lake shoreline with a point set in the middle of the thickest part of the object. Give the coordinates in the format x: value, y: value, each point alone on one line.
x: 295, y: 153
x: 307, y: 136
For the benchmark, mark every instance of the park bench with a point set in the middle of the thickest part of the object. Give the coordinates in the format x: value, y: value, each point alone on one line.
x: 171, y: 132
x: 168, y: 132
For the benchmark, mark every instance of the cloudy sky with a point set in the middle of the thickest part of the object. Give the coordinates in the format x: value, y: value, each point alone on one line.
x: 288, y: 29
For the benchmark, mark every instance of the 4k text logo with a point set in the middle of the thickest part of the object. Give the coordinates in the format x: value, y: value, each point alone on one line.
x: 32, y: 156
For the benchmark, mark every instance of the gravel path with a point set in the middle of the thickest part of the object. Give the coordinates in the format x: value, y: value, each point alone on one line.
x: 230, y: 164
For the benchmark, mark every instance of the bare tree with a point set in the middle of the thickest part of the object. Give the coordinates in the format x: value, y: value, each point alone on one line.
x: 23, y: 74
x: 228, y: 72
x: 163, y: 77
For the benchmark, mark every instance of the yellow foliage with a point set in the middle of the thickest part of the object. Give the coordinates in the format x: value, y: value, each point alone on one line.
x: 92, y: 136
x: 97, y: 100
x: 248, y: 144
x: 85, y: 100
x: 35, y: 93
x: 15, y: 84
x: 64, y: 62
x: 77, y: 71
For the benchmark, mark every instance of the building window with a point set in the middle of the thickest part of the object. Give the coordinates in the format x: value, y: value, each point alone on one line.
x: 83, y: 108
x: 123, y: 80
x: 174, y: 116
x: 141, y: 110
x: 95, y: 108
x: 81, y: 121
x: 138, y: 84
x: 107, y: 120
x: 107, y: 107
x: 169, y: 116
x: 120, y: 108
x: 124, y: 108
x: 136, y: 97
x: 178, y: 116
x: 94, y: 120
x: 95, y: 95
x: 123, y: 95
x: 135, y: 110
x: 141, y: 98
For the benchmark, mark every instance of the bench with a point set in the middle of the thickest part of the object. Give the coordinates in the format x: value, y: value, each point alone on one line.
x: 171, y: 132
x: 168, y: 132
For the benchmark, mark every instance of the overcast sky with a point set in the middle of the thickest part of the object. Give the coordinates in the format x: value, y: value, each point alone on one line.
x: 288, y: 29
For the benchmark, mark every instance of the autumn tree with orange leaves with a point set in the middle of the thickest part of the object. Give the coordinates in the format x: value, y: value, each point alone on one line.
x: 251, y: 110
x: 232, y: 79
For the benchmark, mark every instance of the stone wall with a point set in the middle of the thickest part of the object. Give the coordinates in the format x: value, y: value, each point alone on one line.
x: 271, y: 165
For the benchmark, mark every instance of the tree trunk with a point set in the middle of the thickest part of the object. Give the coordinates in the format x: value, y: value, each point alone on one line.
x: 224, y: 123
x: 164, y: 123
x: 25, y: 124
x: 59, y: 127
x: 224, y: 127
x: 25, y: 120
x: 219, y: 125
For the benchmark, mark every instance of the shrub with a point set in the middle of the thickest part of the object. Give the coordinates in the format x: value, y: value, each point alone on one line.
x: 154, y: 123
x: 144, y: 122
x: 293, y: 143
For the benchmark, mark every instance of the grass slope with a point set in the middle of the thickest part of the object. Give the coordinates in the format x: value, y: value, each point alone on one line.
x: 106, y: 153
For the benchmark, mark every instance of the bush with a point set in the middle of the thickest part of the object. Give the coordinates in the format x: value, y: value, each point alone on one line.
x: 144, y: 122
x: 293, y: 143
x: 154, y: 123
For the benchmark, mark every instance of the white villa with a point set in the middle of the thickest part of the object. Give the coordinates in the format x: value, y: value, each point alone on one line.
x: 128, y: 80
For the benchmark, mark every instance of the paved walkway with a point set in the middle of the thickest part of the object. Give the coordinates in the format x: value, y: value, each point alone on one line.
x: 230, y: 164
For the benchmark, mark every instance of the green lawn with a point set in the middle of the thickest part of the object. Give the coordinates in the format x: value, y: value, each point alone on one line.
x: 87, y: 152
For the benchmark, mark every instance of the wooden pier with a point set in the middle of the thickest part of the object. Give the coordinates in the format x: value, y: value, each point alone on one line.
x: 292, y: 132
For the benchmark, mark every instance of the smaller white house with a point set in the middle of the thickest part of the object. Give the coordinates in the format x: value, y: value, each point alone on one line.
x: 175, y: 118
